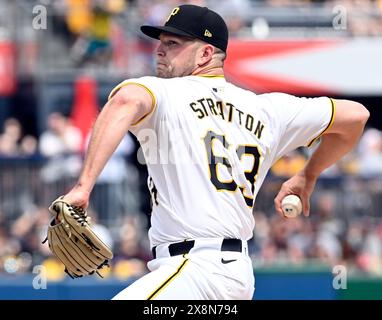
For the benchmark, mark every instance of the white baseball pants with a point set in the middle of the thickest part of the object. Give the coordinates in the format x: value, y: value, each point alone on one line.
x: 209, y: 271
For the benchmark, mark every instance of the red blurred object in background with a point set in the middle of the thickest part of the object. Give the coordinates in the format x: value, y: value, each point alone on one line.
x: 7, y: 68
x: 85, y: 106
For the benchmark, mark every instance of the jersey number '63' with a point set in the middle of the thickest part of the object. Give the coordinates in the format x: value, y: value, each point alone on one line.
x: 241, y: 151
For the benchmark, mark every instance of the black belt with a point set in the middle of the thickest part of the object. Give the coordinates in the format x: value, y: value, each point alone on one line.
x: 185, y: 246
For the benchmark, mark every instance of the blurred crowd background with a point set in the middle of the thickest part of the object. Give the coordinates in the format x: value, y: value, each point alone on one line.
x: 55, y: 75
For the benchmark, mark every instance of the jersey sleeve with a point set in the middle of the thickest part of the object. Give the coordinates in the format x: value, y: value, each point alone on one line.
x: 300, y: 121
x: 153, y: 86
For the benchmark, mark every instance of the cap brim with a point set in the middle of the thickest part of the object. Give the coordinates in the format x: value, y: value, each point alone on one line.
x: 154, y: 32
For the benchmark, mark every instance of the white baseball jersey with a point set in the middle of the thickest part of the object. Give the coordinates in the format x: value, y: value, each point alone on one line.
x: 209, y: 144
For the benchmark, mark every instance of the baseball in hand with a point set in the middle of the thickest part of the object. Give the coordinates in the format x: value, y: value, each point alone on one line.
x: 291, y: 206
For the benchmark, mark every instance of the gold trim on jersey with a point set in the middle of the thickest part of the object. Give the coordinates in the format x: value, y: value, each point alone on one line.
x: 329, y: 124
x: 153, y: 104
x: 168, y: 280
x: 210, y: 75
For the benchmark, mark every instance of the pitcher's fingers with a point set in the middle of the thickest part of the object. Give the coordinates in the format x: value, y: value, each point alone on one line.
x: 280, y: 196
x: 305, y: 206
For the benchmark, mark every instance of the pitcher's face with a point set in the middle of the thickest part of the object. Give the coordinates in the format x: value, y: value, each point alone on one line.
x: 176, y: 56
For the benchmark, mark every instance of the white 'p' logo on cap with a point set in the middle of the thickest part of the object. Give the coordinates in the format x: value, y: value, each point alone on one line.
x: 173, y: 13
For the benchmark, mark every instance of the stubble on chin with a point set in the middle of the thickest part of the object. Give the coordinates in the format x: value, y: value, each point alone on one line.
x: 164, y: 75
x: 169, y: 71
x: 164, y: 71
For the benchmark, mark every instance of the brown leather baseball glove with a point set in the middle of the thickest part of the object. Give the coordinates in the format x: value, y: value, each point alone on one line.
x: 74, y: 243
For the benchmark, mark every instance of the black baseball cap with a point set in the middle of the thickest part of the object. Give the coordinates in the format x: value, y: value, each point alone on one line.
x: 193, y: 21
